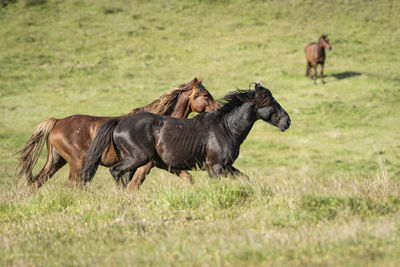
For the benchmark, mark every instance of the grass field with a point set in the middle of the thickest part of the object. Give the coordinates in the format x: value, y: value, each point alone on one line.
x: 326, y: 192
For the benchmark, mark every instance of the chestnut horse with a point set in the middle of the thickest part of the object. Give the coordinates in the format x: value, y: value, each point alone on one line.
x: 209, y: 141
x: 315, y: 54
x: 68, y: 139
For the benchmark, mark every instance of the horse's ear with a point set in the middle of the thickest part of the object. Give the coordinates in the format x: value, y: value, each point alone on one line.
x: 257, y: 87
x: 195, y: 81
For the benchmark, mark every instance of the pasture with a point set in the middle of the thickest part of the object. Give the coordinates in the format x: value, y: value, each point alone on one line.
x: 325, y: 192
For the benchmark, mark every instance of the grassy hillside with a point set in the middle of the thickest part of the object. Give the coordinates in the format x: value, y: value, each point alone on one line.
x: 324, y: 192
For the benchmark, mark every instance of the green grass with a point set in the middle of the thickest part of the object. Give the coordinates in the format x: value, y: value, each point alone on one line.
x: 326, y: 192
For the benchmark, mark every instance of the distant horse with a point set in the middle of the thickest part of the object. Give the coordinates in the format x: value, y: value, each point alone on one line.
x: 209, y: 141
x: 315, y: 54
x: 68, y: 139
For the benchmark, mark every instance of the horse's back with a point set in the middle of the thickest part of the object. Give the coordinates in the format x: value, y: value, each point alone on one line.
x: 311, y: 51
x: 78, y: 122
x: 138, y: 127
x: 134, y: 121
x: 75, y: 129
x: 176, y: 141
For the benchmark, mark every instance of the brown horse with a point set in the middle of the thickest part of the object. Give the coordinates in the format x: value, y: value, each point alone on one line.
x: 68, y: 139
x: 315, y: 54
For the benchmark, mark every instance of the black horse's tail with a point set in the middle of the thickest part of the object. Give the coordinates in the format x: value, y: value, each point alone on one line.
x: 101, y: 141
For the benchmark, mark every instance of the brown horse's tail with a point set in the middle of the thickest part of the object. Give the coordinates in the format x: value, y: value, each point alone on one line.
x: 29, y: 155
x: 101, y: 141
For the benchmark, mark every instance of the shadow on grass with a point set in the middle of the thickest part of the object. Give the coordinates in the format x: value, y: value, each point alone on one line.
x: 345, y: 75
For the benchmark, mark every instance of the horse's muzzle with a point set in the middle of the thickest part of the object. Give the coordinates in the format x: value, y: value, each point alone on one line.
x: 284, y: 126
x: 213, y: 107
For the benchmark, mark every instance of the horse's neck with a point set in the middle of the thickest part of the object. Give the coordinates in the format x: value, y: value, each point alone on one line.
x: 240, y: 120
x: 182, y: 107
x: 321, y: 50
x: 135, y: 110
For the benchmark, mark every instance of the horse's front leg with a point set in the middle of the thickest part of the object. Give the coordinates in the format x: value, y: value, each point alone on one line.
x: 184, y: 175
x: 215, y: 170
x: 315, y: 73
x: 322, y: 73
x: 181, y: 173
x: 235, y: 172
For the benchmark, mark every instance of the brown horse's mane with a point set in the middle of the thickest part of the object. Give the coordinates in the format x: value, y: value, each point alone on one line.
x: 165, y: 104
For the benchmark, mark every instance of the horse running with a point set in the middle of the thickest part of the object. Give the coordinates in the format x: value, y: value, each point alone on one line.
x: 209, y: 141
x: 315, y: 54
x: 68, y: 139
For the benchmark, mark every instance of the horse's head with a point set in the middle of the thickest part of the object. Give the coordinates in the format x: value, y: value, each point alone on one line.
x: 324, y: 41
x: 269, y: 110
x: 200, y: 99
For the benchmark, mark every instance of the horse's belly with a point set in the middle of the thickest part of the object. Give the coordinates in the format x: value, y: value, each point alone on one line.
x: 182, y: 161
x: 181, y: 149
x: 185, y: 163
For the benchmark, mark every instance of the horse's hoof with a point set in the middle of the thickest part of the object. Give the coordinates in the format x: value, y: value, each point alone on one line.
x: 73, y: 184
x: 35, y: 185
x: 133, y: 188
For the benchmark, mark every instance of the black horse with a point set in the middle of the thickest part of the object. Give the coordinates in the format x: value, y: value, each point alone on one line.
x: 208, y: 141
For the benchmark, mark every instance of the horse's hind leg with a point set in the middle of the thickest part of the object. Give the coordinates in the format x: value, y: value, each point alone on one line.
x: 140, y: 176
x: 53, y: 164
x: 74, y: 172
x: 119, y: 169
x: 308, y: 68
x: 322, y: 73
x: 124, y: 180
x: 75, y: 169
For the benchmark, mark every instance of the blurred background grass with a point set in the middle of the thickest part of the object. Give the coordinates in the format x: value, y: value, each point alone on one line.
x: 318, y: 194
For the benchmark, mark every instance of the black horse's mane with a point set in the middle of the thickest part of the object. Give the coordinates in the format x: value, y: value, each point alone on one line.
x: 237, y: 98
